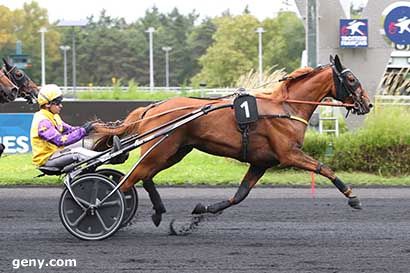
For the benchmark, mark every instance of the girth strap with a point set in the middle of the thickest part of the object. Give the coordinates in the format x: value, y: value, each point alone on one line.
x: 244, y: 128
x: 285, y: 116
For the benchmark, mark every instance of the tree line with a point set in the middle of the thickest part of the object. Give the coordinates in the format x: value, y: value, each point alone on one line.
x: 214, y: 51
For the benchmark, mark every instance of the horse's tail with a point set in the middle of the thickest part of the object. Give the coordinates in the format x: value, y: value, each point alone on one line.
x: 105, y: 131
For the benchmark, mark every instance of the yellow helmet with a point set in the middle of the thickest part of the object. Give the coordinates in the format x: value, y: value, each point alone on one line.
x: 48, y: 93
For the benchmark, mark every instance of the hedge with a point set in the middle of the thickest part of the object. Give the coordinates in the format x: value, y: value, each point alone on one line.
x: 381, y: 146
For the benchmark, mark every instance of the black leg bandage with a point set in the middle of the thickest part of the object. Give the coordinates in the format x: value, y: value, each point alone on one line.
x: 241, y: 194
x: 340, y: 185
x: 154, y: 196
x: 214, y: 208
x: 319, y: 168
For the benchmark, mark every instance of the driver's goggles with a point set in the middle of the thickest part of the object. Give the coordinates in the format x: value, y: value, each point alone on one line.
x: 57, y: 101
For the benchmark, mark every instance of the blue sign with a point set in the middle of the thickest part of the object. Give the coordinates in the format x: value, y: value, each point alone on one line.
x: 397, y: 25
x: 15, y: 132
x: 353, y: 33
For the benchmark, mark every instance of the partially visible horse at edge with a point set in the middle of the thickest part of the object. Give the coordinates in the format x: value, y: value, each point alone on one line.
x: 8, y: 90
x: 24, y: 86
x: 15, y: 83
x: 276, y: 138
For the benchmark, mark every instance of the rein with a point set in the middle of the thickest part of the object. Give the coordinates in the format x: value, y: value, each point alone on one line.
x: 333, y: 104
x: 158, y: 115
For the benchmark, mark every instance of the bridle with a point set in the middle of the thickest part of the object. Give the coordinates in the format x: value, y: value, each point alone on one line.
x: 4, y: 95
x: 347, y: 88
x: 22, y: 81
x: 343, y: 89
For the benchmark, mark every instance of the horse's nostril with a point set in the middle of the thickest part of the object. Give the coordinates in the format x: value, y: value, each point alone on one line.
x: 370, y: 105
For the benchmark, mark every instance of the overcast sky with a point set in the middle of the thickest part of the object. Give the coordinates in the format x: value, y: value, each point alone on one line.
x: 131, y: 10
x: 134, y: 9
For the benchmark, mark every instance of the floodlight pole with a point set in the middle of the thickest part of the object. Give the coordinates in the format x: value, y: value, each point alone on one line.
x: 42, y: 31
x: 64, y: 48
x: 74, y: 63
x: 73, y: 24
x: 312, y: 32
x: 260, y: 30
x: 167, y: 49
x: 151, y: 30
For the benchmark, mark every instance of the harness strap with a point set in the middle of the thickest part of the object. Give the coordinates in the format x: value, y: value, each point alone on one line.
x: 244, y: 128
x: 286, y: 116
x: 150, y: 107
x: 319, y: 167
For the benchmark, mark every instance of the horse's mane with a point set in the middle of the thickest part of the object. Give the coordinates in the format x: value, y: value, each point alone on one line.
x: 295, y: 74
x: 300, y: 71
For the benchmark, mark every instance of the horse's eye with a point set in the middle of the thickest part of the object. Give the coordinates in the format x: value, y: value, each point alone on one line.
x: 351, y: 78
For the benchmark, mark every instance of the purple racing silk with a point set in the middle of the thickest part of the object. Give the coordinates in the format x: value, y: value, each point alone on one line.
x: 69, y: 134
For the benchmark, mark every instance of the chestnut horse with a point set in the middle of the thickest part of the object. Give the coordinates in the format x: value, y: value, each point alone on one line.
x: 8, y: 90
x: 275, y: 138
x: 27, y: 89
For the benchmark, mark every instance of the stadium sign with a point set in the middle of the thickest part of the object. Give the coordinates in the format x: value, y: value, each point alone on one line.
x: 353, y: 33
x: 15, y: 132
x: 397, y: 23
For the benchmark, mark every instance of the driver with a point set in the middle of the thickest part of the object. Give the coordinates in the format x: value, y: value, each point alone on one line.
x: 50, y: 134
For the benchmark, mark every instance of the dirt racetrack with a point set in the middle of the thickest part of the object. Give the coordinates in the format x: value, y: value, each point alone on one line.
x: 274, y: 230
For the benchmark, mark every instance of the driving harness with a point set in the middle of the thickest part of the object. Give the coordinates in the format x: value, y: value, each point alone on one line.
x: 246, y: 114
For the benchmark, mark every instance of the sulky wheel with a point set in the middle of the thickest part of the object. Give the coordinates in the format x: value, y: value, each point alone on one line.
x: 89, y: 219
x: 131, y: 196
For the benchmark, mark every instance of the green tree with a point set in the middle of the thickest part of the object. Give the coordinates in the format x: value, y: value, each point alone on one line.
x: 235, y: 50
x: 7, y: 30
x: 107, y: 48
x: 233, y: 53
x: 283, y: 41
x: 24, y: 24
x: 199, y: 40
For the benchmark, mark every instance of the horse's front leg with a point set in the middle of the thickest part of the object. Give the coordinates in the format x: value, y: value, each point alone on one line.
x: 252, y: 176
x: 297, y: 158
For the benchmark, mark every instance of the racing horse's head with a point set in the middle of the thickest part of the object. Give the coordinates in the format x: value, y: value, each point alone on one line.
x: 27, y: 89
x: 348, y: 89
x: 8, y: 91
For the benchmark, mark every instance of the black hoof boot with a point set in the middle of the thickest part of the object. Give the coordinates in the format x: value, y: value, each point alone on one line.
x: 199, y: 209
x: 156, y: 218
x: 354, y: 202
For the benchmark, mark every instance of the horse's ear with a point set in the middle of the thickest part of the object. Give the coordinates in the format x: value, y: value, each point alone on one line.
x: 338, y: 64
x: 6, y: 63
x: 332, y: 61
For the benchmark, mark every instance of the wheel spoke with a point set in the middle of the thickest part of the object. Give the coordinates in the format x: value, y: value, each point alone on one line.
x: 81, y: 217
x: 82, y: 201
x: 101, y: 221
x: 110, y: 204
x: 94, y: 193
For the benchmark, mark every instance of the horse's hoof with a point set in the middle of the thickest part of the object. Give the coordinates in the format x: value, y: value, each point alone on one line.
x: 156, y: 218
x: 172, y: 230
x: 354, y: 202
x: 199, y: 209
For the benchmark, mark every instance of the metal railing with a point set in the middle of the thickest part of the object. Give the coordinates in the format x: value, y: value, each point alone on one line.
x: 335, y: 129
x: 204, y: 92
x: 387, y: 100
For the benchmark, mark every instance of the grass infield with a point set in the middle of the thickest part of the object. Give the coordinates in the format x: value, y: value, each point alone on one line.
x: 196, y: 169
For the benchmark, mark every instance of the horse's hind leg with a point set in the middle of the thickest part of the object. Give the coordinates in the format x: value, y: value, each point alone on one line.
x: 300, y: 160
x: 156, y: 201
x: 149, y: 185
x: 252, y: 176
